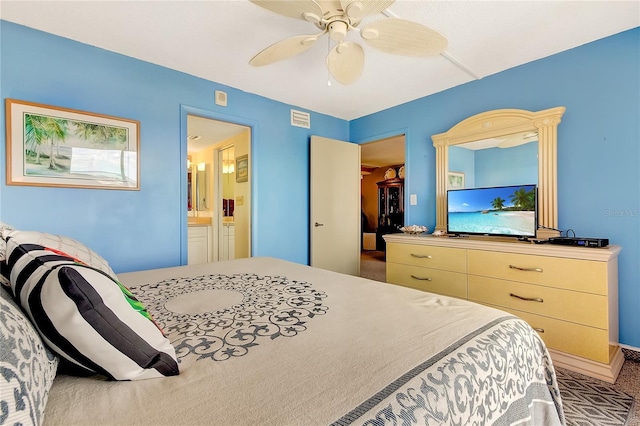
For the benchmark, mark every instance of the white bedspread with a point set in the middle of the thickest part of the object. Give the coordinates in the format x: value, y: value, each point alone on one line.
x: 262, y: 341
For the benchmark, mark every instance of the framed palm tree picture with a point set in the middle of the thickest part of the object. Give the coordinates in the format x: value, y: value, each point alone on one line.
x: 60, y: 147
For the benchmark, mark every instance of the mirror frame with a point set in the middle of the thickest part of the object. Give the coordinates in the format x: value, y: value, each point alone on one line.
x: 497, y: 123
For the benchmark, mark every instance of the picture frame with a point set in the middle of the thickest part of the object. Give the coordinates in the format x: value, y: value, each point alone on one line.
x: 455, y: 180
x: 242, y: 168
x: 60, y: 147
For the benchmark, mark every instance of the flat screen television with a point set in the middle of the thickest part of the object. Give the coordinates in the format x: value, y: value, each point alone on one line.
x: 500, y: 210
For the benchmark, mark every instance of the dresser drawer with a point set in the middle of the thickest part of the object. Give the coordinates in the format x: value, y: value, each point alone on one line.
x: 581, y: 340
x: 447, y: 283
x: 582, y: 275
x: 581, y: 308
x: 445, y: 258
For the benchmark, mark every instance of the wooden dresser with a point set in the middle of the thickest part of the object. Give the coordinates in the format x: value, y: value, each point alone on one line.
x: 568, y: 294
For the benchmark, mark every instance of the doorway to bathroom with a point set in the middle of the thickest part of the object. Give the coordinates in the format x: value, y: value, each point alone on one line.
x: 219, y: 190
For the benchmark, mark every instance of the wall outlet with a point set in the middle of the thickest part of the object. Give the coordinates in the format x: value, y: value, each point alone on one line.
x: 413, y: 199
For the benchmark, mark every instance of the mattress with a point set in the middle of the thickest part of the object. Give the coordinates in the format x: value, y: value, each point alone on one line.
x: 263, y: 341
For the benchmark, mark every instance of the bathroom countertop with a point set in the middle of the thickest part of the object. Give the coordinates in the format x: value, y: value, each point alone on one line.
x: 198, y: 221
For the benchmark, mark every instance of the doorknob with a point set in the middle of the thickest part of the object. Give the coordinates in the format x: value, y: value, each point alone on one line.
x: 319, y: 224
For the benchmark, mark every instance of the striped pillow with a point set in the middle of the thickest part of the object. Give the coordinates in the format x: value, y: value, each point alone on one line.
x: 84, y: 316
x: 67, y: 245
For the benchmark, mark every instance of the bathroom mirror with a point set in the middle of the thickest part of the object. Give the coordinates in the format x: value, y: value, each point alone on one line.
x: 201, y: 185
x: 506, y: 126
x: 189, y: 190
x: 228, y: 179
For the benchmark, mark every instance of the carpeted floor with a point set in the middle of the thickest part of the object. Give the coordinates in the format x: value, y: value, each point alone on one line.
x: 629, y: 383
x: 372, y: 265
x: 587, y: 401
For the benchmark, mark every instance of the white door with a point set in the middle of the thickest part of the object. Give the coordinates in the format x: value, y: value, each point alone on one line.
x: 335, y: 205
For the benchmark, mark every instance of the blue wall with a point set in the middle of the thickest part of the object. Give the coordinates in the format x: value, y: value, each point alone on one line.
x: 145, y: 229
x: 598, y: 144
x: 598, y: 149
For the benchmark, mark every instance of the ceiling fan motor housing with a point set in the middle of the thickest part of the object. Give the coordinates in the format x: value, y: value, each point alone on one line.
x: 338, y: 30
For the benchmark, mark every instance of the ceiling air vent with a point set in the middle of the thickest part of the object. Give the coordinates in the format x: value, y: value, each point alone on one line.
x: 300, y: 119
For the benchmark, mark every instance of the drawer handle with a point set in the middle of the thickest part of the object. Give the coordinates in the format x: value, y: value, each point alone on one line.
x: 420, y: 278
x: 539, y: 330
x: 526, y: 269
x: 527, y: 299
x: 421, y: 256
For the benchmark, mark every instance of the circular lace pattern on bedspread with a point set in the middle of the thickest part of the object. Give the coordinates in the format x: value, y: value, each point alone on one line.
x: 222, y: 316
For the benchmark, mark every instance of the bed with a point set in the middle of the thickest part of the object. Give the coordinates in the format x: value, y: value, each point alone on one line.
x: 263, y: 341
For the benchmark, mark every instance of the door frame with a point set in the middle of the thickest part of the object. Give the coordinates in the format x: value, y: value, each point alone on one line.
x: 186, y: 110
x: 407, y: 159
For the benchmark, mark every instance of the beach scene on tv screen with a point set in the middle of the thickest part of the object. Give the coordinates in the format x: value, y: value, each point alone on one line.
x: 501, y: 210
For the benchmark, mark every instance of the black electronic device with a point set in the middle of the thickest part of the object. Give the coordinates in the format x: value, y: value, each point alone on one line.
x: 580, y: 242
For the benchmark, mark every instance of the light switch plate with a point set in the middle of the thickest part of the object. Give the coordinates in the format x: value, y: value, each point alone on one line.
x: 413, y: 199
x: 221, y: 98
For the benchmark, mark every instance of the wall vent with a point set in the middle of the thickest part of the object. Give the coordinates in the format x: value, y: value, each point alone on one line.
x: 300, y: 119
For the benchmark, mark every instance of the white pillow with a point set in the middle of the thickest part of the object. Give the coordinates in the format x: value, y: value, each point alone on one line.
x: 28, y: 367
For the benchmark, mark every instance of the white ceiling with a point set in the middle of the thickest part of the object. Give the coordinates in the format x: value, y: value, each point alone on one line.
x: 214, y: 40
x: 209, y: 132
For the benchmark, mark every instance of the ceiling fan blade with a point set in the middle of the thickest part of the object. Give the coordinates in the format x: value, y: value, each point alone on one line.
x: 518, y: 139
x: 308, y: 10
x: 402, y: 37
x: 284, y: 49
x: 345, y: 62
x: 360, y: 8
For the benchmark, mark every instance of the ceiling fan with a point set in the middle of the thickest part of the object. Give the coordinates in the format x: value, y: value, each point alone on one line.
x: 337, y: 17
x: 518, y: 139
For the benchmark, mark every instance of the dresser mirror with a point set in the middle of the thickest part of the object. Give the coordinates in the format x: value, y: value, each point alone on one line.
x: 508, y: 160
x: 501, y: 147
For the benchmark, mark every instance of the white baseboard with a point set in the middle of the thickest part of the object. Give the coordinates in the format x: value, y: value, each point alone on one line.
x: 605, y: 372
x: 630, y: 347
